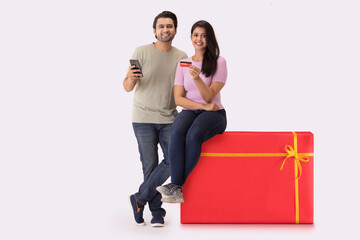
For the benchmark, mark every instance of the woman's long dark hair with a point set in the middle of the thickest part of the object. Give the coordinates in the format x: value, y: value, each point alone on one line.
x: 212, y: 51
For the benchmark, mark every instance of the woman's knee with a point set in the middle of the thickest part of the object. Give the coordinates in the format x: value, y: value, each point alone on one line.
x: 179, y: 130
x: 194, y: 136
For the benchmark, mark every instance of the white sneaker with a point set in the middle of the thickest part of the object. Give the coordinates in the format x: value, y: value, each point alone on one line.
x: 166, y: 189
x: 175, y: 196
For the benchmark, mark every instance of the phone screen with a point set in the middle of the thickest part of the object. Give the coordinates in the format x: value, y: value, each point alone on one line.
x: 135, y: 62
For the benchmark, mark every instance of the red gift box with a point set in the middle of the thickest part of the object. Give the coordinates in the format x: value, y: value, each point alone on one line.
x: 252, y: 177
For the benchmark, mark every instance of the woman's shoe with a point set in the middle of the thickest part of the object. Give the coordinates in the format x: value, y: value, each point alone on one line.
x: 175, y: 196
x: 166, y: 189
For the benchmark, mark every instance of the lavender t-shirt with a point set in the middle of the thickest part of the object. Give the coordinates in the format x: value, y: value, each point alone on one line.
x: 184, y: 78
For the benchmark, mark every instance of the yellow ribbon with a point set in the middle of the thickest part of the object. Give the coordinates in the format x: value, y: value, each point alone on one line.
x: 298, y: 157
x: 290, y: 152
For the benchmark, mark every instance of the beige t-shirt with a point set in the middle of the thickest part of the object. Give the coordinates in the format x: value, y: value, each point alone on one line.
x: 154, y: 92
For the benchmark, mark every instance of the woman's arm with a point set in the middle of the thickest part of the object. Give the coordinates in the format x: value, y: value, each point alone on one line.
x: 208, y: 93
x: 218, y: 80
x: 181, y: 100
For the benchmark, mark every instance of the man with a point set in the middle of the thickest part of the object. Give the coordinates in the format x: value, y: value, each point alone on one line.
x: 154, y: 110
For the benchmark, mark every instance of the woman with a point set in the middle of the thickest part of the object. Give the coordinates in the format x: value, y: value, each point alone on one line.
x: 197, y: 90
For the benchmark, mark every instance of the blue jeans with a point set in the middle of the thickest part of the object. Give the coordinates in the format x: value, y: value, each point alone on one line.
x: 148, y: 136
x: 190, y: 129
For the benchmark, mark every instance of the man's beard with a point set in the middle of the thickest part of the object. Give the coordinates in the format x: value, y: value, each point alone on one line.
x: 168, y: 39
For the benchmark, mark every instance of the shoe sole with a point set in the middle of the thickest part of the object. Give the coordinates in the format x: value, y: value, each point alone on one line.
x: 137, y: 224
x: 157, y: 224
x: 171, y: 200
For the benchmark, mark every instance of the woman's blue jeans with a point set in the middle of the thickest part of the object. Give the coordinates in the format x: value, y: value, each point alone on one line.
x: 190, y: 129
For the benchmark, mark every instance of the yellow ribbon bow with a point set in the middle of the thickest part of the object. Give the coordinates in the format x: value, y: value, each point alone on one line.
x: 298, y: 158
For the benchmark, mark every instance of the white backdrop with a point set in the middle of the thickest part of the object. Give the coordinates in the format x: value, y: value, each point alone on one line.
x: 68, y: 156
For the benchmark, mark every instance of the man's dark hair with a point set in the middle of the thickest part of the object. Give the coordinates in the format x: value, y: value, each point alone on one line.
x: 165, y: 14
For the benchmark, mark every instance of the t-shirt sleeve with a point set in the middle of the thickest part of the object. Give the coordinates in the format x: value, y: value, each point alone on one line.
x: 137, y: 55
x: 221, y: 72
x: 179, y: 76
x: 184, y: 55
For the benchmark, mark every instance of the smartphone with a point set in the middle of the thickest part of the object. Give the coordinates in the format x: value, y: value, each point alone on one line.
x: 134, y: 62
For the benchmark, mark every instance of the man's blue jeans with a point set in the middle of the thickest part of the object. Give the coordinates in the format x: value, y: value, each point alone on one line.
x: 190, y: 129
x: 148, y: 136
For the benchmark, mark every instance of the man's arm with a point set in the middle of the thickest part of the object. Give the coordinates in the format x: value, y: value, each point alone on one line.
x: 131, y: 79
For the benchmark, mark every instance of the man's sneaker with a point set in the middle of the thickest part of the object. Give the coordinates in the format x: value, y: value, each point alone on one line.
x: 175, y: 196
x: 138, y: 212
x: 157, y: 221
x: 166, y: 189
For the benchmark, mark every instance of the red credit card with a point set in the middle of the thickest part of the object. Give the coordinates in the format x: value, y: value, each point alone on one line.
x: 185, y: 64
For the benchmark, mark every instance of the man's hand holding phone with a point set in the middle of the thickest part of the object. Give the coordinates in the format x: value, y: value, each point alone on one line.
x: 131, y: 78
x: 134, y: 73
x: 135, y: 65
